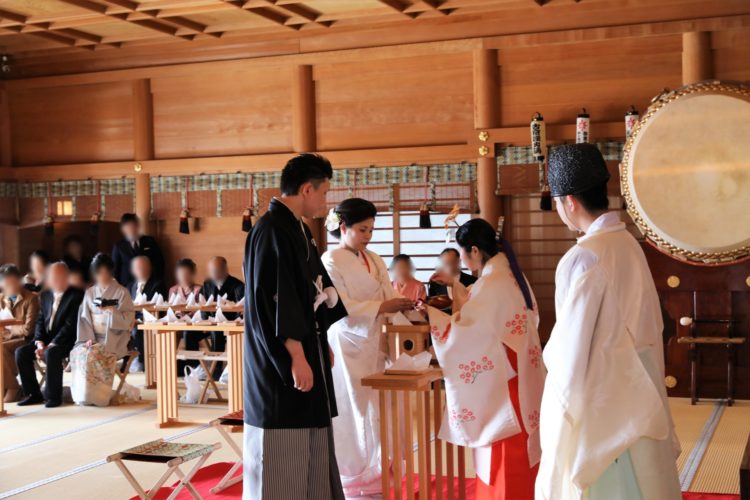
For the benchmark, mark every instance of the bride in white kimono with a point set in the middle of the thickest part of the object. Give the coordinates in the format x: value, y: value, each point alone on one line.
x: 490, y: 354
x: 362, y: 282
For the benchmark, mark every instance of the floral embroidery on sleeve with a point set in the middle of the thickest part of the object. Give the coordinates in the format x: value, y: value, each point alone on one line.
x: 535, y: 356
x: 518, y: 324
x: 458, y: 417
x: 439, y: 336
x: 471, y: 370
x: 534, y: 420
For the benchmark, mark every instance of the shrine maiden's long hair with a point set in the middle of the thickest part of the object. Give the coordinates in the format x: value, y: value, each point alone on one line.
x: 479, y: 233
x: 349, y: 212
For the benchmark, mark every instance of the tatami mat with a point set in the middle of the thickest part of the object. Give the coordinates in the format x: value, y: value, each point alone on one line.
x: 58, y: 453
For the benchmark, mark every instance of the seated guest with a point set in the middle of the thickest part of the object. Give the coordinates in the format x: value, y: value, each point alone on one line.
x: 184, y: 274
x: 450, y: 263
x: 107, y: 313
x: 404, y: 281
x: 38, y: 262
x: 24, y: 305
x: 74, y: 257
x: 54, y: 337
x: 77, y: 279
x: 131, y: 245
x: 144, y: 282
x: 218, y: 283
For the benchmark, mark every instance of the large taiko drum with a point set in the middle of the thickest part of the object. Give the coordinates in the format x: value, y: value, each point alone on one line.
x: 685, y: 173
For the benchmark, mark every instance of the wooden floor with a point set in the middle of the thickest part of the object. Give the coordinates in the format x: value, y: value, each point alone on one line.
x: 59, y: 453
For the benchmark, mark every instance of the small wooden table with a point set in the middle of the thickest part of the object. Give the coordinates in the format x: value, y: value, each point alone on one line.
x: 166, y: 365
x: 4, y: 323
x: 149, y: 339
x: 694, y: 342
x: 425, y: 387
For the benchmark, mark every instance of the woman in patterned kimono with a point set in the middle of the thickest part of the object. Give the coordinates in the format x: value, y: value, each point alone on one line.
x: 108, y: 325
x: 362, y: 282
x: 490, y: 354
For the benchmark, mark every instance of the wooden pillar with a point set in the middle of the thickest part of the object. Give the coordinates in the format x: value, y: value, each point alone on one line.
x: 143, y: 149
x: 303, y: 109
x: 6, y: 154
x: 487, y: 115
x: 143, y: 123
x: 143, y: 201
x: 697, y: 58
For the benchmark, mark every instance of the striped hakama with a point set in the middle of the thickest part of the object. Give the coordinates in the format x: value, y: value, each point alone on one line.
x: 303, y: 464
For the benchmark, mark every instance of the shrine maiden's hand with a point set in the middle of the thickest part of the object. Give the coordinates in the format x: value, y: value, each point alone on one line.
x: 396, y: 305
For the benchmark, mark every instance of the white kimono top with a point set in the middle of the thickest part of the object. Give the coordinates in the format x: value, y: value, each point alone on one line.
x: 112, y: 328
x: 359, y: 348
x: 470, y: 347
x: 605, y: 384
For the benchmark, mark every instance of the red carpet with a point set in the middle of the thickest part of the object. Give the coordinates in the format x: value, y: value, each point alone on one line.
x: 208, y: 476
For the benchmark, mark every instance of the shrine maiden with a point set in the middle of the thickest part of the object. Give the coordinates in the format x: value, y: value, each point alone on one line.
x: 490, y: 354
x: 606, y: 430
x: 363, y: 285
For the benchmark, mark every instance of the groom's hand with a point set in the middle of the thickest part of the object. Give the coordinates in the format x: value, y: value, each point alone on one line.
x: 301, y: 371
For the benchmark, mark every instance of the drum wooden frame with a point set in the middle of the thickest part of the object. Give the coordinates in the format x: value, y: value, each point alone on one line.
x: 684, y: 244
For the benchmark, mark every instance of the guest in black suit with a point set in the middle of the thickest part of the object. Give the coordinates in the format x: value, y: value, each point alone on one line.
x: 218, y: 283
x: 144, y: 281
x: 131, y: 245
x: 450, y: 261
x: 54, y: 337
x: 39, y: 260
x: 74, y: 256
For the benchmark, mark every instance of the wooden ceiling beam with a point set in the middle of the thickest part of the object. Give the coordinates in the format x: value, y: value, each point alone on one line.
x: 152, y: 25
x: 435, y: 5
x: 264, y: 12
x: 68, y: 37
x: 177, y: 21
x: 399, y: 6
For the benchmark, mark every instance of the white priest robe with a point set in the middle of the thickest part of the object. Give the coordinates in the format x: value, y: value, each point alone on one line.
x: 359, y: 350
x: 604, y: 395
x: 471, y: 348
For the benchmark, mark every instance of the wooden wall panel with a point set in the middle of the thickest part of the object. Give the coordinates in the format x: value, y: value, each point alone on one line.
x: 604, y: 76
x: 243, y: 111
x: 394, y: 102
x: 732, y: 54
x: 208, y: 237
x: 71, y: 124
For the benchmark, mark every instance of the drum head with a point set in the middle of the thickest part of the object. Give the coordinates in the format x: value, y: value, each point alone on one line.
x: 685, y: 173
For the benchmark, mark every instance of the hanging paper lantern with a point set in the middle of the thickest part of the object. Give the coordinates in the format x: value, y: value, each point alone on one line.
x: 424, y: 209
x: 631, y: 118
x: 247, y: 214
x: 538, y: 137
x: 185, y: 214
x: 583, y: 124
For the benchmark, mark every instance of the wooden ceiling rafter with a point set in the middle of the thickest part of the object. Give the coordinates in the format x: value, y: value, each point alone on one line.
x: 69, y: 37
x: 177, y: 22
x: 303, y: 11
x: 150, y: 24
x: 400, y: 6
x: 265, y: 12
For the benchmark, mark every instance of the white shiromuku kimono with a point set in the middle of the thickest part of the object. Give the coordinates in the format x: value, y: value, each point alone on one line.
x: 109, y: 328
x: 359, y: 350
x: 471, y: 348
x: 605, y: 417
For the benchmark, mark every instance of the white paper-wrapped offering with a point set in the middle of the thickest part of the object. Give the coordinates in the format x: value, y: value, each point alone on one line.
x: 140, y: 299
x: 190, y: 302
x: 176, y: 300
x: 210, y: 301
x: 197, y: 319
x: 221, y: 319
x: 148, y: 317
x: 399, y: 319
x: 171, y: 317
x: 405, y: 363
x: 201, y: 300
x: 5, y: 314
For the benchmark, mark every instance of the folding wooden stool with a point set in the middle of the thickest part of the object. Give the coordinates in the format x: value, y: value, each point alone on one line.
x: 171, y: 454
x: 123, y: 373
x: 231, y: 420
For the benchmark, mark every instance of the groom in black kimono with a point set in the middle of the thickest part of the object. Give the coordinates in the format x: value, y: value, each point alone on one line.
x: 291, y: 302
